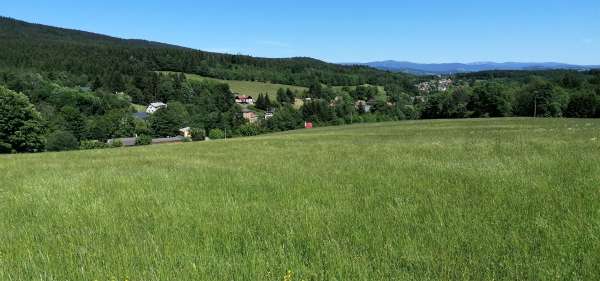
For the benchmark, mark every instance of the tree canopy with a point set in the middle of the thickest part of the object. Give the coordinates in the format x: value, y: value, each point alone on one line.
x: 21, y: 125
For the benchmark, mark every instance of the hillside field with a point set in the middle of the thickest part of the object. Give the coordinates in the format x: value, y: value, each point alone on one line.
x: 250, y: 88
x: 253, y: 88
x: 479, y: 199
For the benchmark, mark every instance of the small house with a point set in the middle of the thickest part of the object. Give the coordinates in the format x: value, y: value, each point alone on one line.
x: 249, y: 115
x: 153, y: 107
x: 186, y: 132
x: 242, y: 99
x: 308, y: 125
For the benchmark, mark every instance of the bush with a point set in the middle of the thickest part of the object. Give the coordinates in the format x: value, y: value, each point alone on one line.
x: 339, y: 121
x: 61, y: 141
x: 215, y: 134
x: 198, y: 134
x: 247, y: 130
x: 5, y: 148
x: 92, y: 144
x: 143, y: 140
x: 116, y: 143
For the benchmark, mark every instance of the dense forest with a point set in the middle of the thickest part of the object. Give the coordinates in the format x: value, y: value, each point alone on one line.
x: 63, y: 89
x: 116, y: 63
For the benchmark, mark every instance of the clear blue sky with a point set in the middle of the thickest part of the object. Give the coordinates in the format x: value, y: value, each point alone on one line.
x: 345, y: 31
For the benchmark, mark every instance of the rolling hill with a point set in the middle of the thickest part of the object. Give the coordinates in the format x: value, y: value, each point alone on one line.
x: 451, y: 68
x: 479, y: 199
x: 51, y: 49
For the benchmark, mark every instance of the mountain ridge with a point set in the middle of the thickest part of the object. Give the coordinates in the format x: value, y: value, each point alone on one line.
x: 453, y: 68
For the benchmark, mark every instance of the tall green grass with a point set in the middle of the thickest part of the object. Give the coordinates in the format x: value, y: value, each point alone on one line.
x: 496, y: 199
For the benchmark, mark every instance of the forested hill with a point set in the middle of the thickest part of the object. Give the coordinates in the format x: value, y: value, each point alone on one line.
x: 11, y: 29
x: 45, y: 48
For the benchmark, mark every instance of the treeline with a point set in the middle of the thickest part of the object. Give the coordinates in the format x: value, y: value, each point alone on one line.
x: 81, y: 113
x: 69, y: 115
x: 556, y: 93
x: 61, y: 115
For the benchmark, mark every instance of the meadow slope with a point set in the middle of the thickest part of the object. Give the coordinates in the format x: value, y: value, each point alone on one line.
x: 488, y: 199
x: 251, y: 88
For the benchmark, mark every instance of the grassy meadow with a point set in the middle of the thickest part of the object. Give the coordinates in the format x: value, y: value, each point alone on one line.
x: 251, y: 88
x: 482, y: 199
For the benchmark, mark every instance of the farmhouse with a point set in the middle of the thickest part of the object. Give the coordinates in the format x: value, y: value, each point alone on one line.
x: 242, y: 99
x: 249, y: 115
x: 186, y: 132
x: 153, y: 107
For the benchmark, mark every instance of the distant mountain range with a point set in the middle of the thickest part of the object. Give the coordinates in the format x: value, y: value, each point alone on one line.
x: 450, y: 68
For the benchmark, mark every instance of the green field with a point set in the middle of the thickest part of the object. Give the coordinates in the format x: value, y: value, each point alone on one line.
x: 251, y: 88
x: 487, y: 199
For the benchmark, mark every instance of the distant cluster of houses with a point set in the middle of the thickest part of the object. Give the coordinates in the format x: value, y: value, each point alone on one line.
x: 248, y: 114
x: 440, y: 85
x: 242, y: 100
x: 252, y: 117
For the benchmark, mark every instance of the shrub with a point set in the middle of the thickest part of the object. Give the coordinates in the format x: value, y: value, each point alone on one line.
x: 92, y: 144
x: 215, y: 134
x: 248, y: 130
x: 5, y: 147
x: 61, y: 141
x: 143, y: 140
x: 116, y: 143
x: 198, y: 134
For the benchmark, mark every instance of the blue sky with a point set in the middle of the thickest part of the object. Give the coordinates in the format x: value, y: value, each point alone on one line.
x: 345, y: 31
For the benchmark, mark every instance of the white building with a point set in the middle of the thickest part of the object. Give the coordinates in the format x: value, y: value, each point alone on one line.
x: 186, y: 132
x: 244, y: 99
x: 153, y: 107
